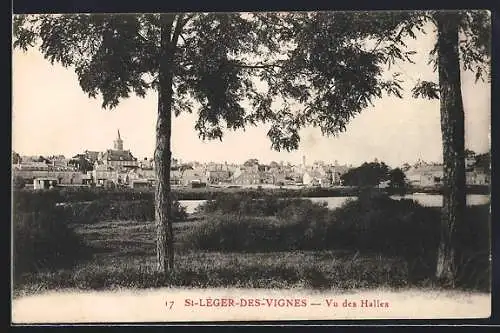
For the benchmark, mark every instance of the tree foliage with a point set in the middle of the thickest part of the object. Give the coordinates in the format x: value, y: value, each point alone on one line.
x: 16, y: 158
x: 81, y: 163
x: 251, y: 162
x: 291, y: 70
x: 474, y: 48
x: 483, y: 161
x: 18, y: 182
x: 367, y: 175
x: 397, y: 178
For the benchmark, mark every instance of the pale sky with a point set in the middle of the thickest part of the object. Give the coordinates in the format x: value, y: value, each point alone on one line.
x: 51, y: 115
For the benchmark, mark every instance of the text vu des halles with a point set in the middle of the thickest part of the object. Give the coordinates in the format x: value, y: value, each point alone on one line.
x: 283, y: 302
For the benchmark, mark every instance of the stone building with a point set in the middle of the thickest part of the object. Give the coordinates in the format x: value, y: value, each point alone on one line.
x: 118, y: 158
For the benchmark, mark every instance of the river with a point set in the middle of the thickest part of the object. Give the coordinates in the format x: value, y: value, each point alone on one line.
x: 428, y: 200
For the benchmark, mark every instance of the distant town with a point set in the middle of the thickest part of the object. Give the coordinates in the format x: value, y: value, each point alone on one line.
x: 118, y: 167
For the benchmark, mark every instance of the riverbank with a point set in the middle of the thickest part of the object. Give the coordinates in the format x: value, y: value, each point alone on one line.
x: 178, y: 305
x: 72, y: 194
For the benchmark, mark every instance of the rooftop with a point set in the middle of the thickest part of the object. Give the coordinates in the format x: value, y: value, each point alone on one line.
x: 118, y: 155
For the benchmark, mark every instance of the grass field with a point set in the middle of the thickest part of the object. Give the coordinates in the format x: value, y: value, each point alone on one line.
x: 123, y: 255
x: 241, y: 242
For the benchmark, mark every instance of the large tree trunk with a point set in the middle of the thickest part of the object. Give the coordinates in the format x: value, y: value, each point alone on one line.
x: 163, y: 154
x: 453, y: 136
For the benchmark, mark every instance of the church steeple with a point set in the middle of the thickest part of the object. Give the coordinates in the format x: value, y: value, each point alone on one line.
x: 118, y: 143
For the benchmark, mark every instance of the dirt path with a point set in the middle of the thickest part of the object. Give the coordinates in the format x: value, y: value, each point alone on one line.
x: 164, y: 305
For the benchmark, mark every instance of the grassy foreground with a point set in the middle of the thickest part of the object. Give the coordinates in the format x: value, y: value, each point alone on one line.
x: 123, y: 255
x: 372, y: 242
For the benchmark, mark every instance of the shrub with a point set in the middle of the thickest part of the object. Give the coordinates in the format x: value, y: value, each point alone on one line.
x: 237, y: 233
x: 218, y: 233
x: 106, y: 210
x: 237, y: 223
x: 374, y: 223
x: 250, y: 204
x: 473, y: 255
x: 141, y: 208
x: 42, y: 240
x: 18, y: 182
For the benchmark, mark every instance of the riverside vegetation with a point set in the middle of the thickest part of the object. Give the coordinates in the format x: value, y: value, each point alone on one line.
x: 65, y: 241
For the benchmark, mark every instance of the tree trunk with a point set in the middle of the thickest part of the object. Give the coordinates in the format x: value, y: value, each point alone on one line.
x: 163, y: 154
x: 453, y: 136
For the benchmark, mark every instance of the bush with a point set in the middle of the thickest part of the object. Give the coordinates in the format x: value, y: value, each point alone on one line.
x: 42, y: 240
x: 473, y: 255
x: 236, y: 233
x: 18, y: 182
x: 107, y: 207
x: 379, y: 223
x: 374, y: 223
x: 106, y: 210
x: 250, y: 205
x: 239, y: 223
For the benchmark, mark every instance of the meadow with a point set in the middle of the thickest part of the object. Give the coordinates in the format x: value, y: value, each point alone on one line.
x: 240, y: 241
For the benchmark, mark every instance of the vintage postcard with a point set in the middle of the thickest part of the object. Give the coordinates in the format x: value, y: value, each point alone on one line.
x: 267, y: 166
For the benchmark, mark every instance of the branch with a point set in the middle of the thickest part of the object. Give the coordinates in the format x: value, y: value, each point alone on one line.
x: 183, y: 39
x: 182, y: 20
x: 263, y: 66
x: 383, y: 38
x: 143, y: 37
x: 377, y: 45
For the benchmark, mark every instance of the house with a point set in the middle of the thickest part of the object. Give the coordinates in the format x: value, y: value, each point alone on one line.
x: 103, y: 173
x: 248, y: 177
x: 31, y: 166
x: 425, y: 175
x: 236, y: 173
x: 140, y: 184
x: 118, y: 158
x: 279, y: 178
x: 147, y: 163
x: 316, y: 177
x: 477, y: 176
x: 58, y: 161
x: 44, y: 183
x: 32, y: 170
x: 92, y: 156
x: 190, y: 176
x: 308, y: 179
x: 69, y: 177
x: 218, y: 176
x: 175, y: 177
x: 266, y: 177
x: 337, y: 171
x: 145, y: 173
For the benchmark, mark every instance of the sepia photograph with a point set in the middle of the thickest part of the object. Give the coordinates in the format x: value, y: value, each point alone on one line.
x: 251, y: 166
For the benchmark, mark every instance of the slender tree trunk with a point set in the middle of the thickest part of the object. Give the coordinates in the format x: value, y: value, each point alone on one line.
x: 163, y: 154
x: 453, y: 136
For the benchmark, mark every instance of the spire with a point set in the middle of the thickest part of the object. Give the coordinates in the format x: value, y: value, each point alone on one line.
x: 118, y: 143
